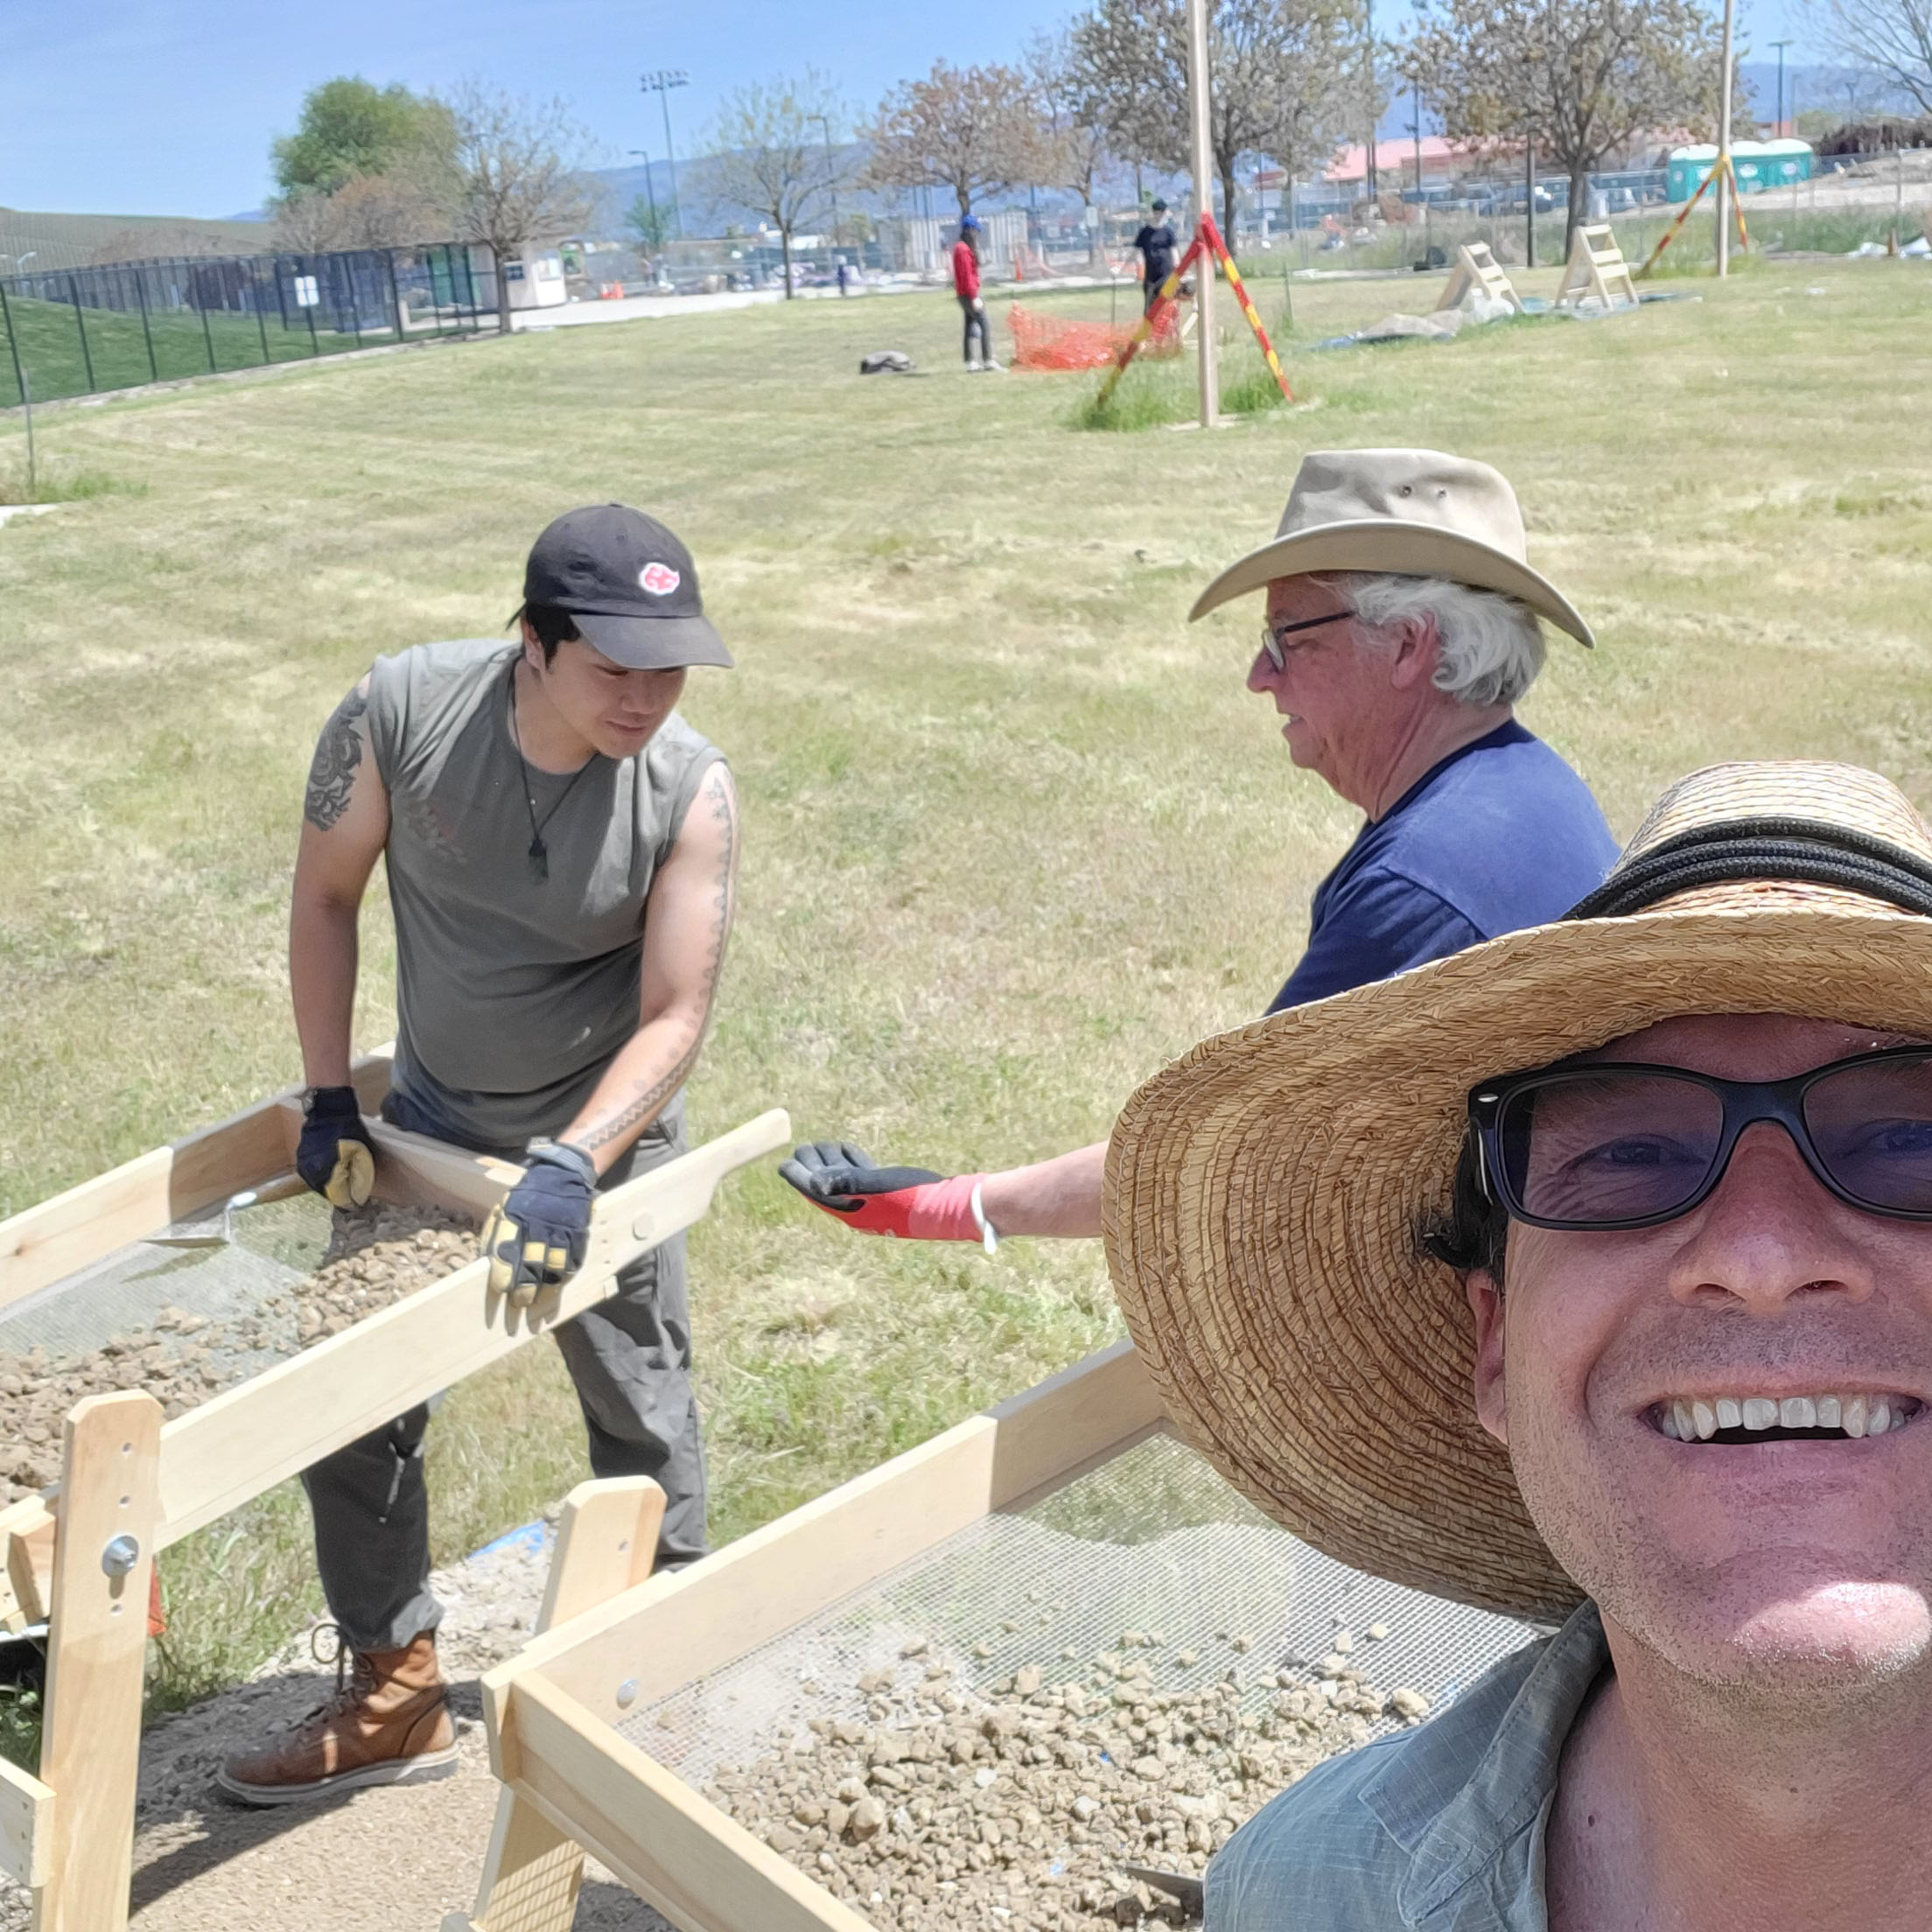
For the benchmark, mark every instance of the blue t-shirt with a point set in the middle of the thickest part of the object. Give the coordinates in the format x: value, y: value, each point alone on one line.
x: 1501, y: 834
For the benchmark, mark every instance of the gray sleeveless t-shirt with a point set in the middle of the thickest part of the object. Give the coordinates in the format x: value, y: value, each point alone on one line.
x: 513, y: 991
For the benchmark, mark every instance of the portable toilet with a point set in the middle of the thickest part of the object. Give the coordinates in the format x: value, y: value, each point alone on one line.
x: 1784, y: 162
x: 1684, y: 171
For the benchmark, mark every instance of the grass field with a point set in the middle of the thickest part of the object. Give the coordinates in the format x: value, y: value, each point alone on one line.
x: 1014, y: 833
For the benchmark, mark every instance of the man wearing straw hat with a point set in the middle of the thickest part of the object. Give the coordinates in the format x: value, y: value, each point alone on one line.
x: 1402, y: 623
x: 1587, y: 1276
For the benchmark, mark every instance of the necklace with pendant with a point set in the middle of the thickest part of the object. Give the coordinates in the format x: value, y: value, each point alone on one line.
x: 539, y: 854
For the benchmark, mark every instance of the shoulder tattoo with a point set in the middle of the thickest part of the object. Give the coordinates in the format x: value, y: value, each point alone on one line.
x: 332, y: 774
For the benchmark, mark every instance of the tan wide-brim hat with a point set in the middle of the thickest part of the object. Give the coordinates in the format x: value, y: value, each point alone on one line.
x: 1405, y: 513
x: 1266, y: 1194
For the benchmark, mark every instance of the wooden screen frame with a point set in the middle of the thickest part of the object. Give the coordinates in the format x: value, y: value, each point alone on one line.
x: 550, y: 1711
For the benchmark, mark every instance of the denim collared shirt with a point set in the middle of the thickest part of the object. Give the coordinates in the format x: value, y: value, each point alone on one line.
x: 1439, y: 1828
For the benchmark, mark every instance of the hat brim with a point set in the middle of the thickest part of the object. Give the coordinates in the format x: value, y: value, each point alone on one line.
x: 1264, y: 1195
x: 1393, y: 546
x: 652, y: 643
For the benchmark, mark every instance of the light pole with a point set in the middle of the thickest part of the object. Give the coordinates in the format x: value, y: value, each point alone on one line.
x: 831, y: 180
x: 1369, y: 182
x: 1780, y: 45
x: 660, y: 81
x: 644, y: 155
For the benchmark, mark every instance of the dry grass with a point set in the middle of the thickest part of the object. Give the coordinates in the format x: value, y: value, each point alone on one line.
x: 1014, y: 833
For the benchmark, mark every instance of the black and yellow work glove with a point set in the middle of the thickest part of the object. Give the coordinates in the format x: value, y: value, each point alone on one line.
x: 537, y: 1238
x: 335, y: 1155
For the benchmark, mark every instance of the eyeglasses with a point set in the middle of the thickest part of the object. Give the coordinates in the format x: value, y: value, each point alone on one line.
x: 1610, y: 1145
x: 1272, y: 634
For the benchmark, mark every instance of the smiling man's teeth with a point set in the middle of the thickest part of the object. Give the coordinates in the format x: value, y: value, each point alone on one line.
x: 1697, y: 1419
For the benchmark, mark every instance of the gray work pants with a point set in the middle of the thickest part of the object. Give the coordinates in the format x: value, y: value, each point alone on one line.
x: 630, y: 1357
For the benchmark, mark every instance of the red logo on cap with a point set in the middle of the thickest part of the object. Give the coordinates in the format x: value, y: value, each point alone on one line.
x: 660, y: 579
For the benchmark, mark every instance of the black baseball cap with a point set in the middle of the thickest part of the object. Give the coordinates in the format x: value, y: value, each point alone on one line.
x: 629, y: 583
x: 1161, y: 206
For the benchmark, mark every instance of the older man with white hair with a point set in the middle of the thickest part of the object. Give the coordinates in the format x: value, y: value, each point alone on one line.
x: 1403, y: 622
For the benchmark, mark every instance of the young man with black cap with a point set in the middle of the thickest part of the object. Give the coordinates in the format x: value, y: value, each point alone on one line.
x: 1157, y: 247
x: 560, y: 847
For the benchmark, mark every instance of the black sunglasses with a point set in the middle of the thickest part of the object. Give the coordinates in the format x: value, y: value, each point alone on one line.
x: 1610, y: 1145
x: 1272, y: 634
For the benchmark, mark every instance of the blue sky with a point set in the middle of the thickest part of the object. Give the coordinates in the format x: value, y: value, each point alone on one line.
x: 167, y: 107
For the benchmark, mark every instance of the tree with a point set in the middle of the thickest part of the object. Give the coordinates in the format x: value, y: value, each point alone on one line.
x: 776, y: 149
x: 1892, y: 38
x: 516, y: 175
x: 305, y: 222
x: 649, y: 223
x: 973, y: 130
x: 350, y: 127
x: 1578, y: 77
x: 1283, y: 79
x: 1076, y: 138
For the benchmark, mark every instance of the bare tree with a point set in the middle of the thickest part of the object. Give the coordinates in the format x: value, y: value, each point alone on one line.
x: 778, y: 148
x: 1284, y: 75
x: 972, y: 129
x: 1893, y: 37
x: 516, y: 175
x: 1076, y: 139
x: 305, y: 222
x: 1578, y: 77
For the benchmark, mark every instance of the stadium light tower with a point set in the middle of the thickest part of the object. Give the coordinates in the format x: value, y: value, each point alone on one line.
x: 660, y: 81
x: 1780, y: 45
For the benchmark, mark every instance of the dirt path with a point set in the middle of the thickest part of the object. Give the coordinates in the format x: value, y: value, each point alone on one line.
x: 380, y: 1860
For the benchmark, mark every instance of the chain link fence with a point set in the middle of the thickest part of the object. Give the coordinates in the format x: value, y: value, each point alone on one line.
x: 78, y: 332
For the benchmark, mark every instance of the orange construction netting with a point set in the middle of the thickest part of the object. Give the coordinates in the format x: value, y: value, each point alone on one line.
x: 1059, y: 342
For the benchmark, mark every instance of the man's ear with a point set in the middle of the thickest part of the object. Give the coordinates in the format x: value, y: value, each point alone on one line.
x: 1484, y: 1293
x: 1418, y: 650
x: 533, y: 647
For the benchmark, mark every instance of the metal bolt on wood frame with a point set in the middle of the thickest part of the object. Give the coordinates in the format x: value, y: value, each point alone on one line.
x: 81, y: 1556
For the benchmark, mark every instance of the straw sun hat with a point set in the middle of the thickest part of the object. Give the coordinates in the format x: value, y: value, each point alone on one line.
x: 1265, y: 1195
x: 1406, y: 513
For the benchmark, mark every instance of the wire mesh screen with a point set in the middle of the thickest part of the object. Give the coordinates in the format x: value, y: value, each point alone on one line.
x: 271, y: 1247
x: 1152, y: 1552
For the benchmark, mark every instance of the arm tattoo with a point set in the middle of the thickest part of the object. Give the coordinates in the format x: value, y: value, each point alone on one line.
x: 650, y: 1099
x: 332, y: 774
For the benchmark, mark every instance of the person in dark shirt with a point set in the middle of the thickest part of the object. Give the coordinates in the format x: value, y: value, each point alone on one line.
x: 1402, y: 624
x: 1158, y: 247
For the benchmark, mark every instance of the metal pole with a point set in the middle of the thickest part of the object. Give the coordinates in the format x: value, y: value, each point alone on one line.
x: 657, y: 239
x: 660, y: 82
x: 86, y: 354
x: 1198, y: 83
x: 191, y: 280
x: 1369, y: 182
x: 825, y: 128
x: 19, y: 377
x: 261, y: 318
x: 1724, y: 143
x: 147, y: 333
x: 1530, y: 201
x: 1780, y: 45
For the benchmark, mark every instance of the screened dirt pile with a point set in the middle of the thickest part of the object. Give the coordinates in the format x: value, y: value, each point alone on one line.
x: 376, y: 1256
x: 1023, y: 1808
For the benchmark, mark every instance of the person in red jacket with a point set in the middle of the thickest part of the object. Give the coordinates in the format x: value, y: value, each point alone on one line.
x: 966, y: 287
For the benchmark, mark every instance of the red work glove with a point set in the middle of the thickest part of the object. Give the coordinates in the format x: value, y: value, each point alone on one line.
x: 913, y: 1203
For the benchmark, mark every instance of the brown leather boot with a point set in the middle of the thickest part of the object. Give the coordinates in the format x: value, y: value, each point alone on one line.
x: 388, y: 1723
